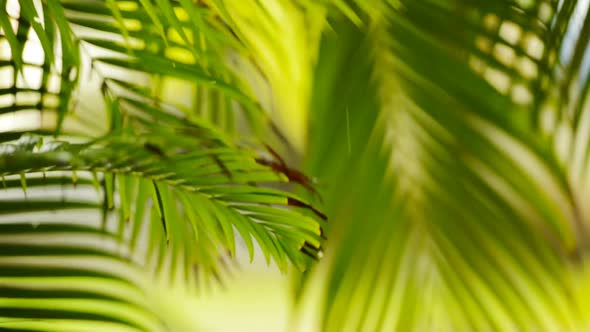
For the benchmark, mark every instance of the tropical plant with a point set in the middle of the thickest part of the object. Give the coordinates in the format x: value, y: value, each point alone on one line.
x: 143, y: 145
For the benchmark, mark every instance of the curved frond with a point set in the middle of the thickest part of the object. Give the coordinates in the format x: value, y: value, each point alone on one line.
x: 222, y: 187
x: 175, y: 213
x: 110, y: 194
x: 466, y: 215
x: 60, y: 269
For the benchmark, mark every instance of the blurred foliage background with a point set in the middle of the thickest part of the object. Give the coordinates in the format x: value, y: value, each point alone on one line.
x: 294, y: 165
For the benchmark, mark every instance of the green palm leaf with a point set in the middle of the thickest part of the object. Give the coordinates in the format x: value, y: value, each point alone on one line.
x: 173, y: 192
x: 188, y: 223
x: 466, y: 216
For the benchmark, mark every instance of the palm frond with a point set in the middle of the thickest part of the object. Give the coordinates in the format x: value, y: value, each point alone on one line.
x: 176, y: 194
x: 226, y: 182
x: 283, y: 43
x: 174, y: 213
x: 466, y: 216
x: 182, y: 44
x: 61, y: 270
x: 133, y: 109
x: 36, y: 76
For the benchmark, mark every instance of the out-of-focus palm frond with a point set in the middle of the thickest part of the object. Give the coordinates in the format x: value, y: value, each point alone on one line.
x: 282, y: 42
x: 456, y: 203
x: 39, y: 64
x: 65, y: 269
